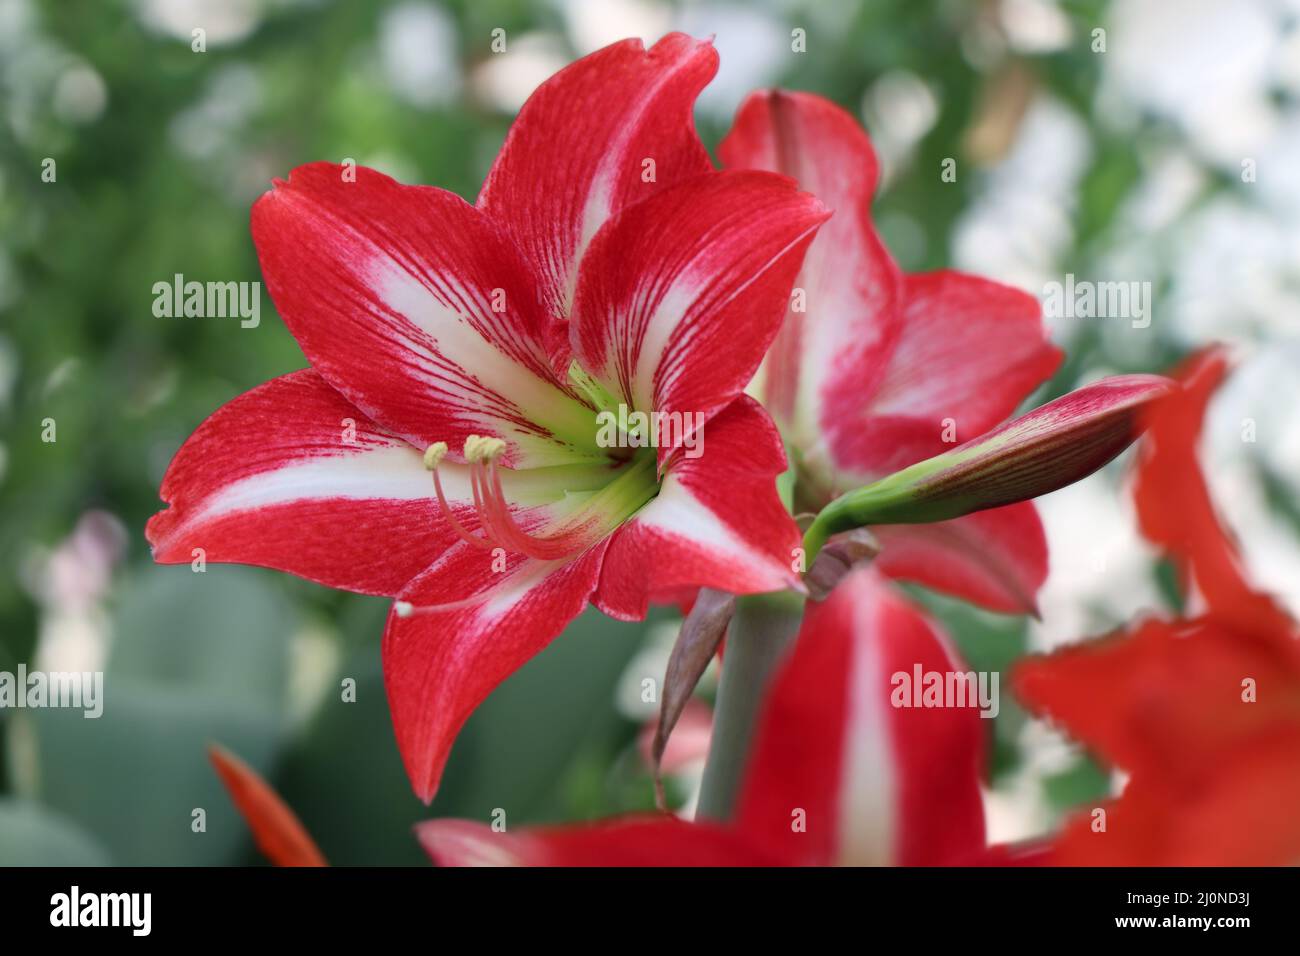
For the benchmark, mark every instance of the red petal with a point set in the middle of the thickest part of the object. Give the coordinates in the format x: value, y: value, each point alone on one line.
x: 392, y: 293
x: 271, y: 479
x: 575, y: 155
x: 278, y: 833
x: 1173, y: 502
x: 680, y: 295
x: 968, y: 352
x: 840, y: 346
x: 627, y: 841
x: 996, y: 559
x: 1214, y: 777
x: 717, y: 522
x: 1241, y: 814
x: 473, y: 627
x: 875, y: 783
x: 863, y: 381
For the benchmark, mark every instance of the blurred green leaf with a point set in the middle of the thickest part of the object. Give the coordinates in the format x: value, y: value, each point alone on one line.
x: 135, y: 775
x: 223, y: 632
x: 30, y: 835
x: 197, y: 658
x: 512, y: 753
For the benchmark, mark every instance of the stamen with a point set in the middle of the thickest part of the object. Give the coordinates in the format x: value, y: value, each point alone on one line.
x: 502, y: 525
x: 493, y: 507
x: 406, y: 609
x: 432, y: 456
x: 497, y: 523
x: 633, y: 485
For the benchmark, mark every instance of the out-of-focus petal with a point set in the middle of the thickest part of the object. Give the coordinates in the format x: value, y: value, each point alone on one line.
x: 839, y: 774
x: 1204, y: 717
x: 277, y: 831
x: 628, y: 841
x: 1173, y: 501
x: 996, y: 558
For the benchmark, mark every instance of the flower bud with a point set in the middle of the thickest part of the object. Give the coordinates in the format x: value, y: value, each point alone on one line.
x: 1048, y: 448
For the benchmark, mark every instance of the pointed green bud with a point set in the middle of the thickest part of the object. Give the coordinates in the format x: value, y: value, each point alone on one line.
x: 1048, y: 448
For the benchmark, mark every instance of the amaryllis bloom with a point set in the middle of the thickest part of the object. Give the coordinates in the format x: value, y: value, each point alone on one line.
x: 606, y: 267
x: 875, y: 369
x: 1202, y: 713
x: 844, y: 769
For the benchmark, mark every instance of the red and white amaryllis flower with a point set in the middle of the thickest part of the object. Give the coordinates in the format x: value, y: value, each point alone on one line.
x: 605, y: 263
x: 875, y: 369
x: 838, y: 773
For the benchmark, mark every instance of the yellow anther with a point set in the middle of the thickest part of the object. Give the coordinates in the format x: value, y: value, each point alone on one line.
x: 434, y: 454
x: 483, y: 448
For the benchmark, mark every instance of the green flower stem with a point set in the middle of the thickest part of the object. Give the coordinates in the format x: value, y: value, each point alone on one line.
x: 898, y: 499
x: 761, y: 631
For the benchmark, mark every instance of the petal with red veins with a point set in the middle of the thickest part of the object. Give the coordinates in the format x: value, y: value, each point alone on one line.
x: 968, y: 352
x: 291, y: 476
x: 680, y: 295
x: 717, y: 522
x: 839, y: 774
x: 577, y: 153
x: 417, y: 307
x: 996, y: 558
x: 627, y: 841
x: 478, y: 616
x: 837, y: 349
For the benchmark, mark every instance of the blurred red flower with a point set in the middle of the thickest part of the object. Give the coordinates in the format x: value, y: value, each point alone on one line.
x: 1201, y: 712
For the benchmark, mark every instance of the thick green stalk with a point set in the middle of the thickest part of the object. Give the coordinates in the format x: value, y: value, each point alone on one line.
x: 762, y: 630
